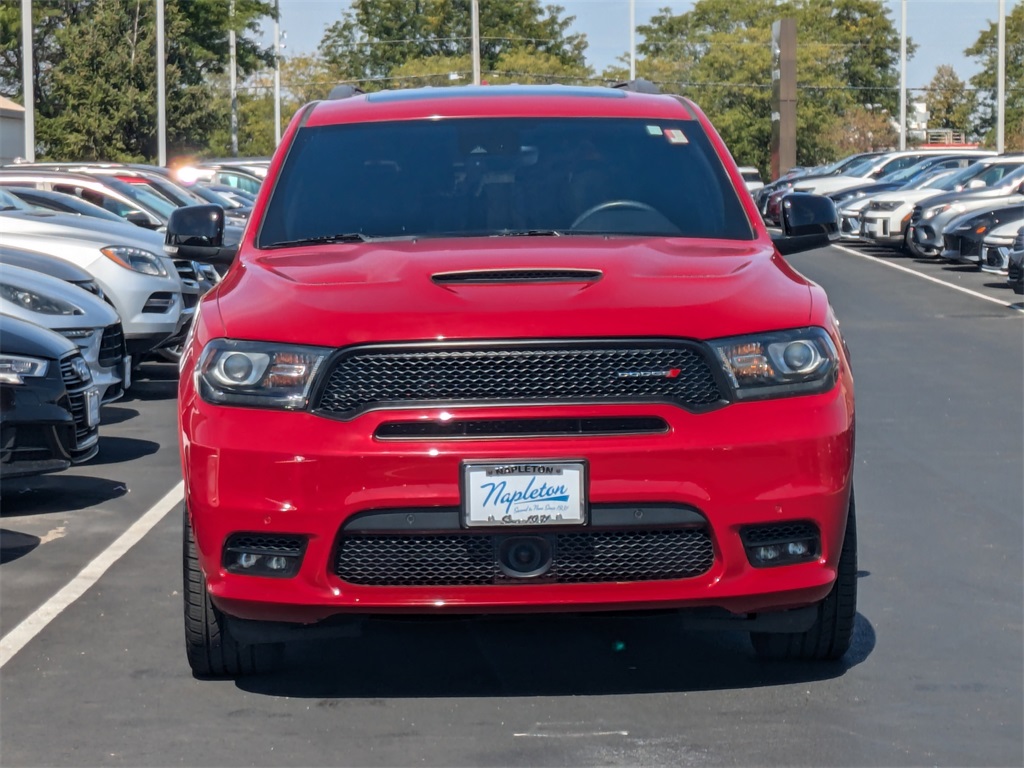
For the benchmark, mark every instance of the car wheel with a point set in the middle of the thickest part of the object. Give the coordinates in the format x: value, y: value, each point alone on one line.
x: 172, y: 354
x: 830, y: 635
x: 211, y: 650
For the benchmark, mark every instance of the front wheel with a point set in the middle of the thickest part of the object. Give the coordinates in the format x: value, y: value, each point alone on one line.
x: 832, y: 632
x: 211, y: 650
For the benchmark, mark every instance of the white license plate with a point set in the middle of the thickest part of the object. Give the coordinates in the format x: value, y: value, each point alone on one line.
x: 515, y: 493
x: 126, y: 380
x: 92, y: 407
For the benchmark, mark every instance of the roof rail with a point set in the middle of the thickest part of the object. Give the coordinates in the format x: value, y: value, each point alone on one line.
x: 344, y: 92
x: 638, y: 86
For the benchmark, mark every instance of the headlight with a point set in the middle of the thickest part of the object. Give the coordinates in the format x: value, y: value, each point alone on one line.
x: 257, y: 374
x: 796, y: 362
x: 14, y: 368
x: 36, y: 302
x: 146, y: 262
x: 935, y: 210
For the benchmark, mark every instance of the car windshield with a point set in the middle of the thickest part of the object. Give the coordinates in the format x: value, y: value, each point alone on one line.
x: 9, y: 202
x: 906, y: 174
x: 959, y: 177
x: 860, y: 168
x: 478, y: 177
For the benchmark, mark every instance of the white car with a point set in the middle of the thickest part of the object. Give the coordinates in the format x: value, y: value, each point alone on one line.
x: 127, y: 262
x: 998, y: 245
x: 84, y: 319
x: 751, y: 177
x: 885, y: 220
x: 877, y: 167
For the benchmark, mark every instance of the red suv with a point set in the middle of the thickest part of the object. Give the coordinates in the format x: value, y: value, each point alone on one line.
x: 512, y: 350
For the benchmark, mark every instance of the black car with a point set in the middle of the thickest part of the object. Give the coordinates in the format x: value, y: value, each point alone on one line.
x: 963, y: 238
x: 1015, y: 272
x: 49, y: 408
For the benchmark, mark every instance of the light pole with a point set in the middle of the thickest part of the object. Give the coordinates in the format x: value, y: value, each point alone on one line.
x: 475, y: 14
x: 277, y: 72
x: 1001, y: 80
x: 632, y: 39
x: 27, y: 84
x: 233, y: 85
x: 903, y: 74
x: 161, y: 86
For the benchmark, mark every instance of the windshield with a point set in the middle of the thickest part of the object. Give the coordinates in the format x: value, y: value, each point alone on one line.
x: 929, y: 180
x: 477, y: 177
x: 9, y: 202
x: 150, y: 200
x: 906, y: 174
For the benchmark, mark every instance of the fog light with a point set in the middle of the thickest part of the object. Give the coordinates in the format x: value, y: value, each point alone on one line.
x: 797, y: 548
x: 247, y: 559
x: 767, y: 554
x: 777, y: 544
x: 277, y: 563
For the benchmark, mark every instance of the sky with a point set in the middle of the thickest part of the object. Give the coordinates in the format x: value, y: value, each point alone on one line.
x: 942, y: 29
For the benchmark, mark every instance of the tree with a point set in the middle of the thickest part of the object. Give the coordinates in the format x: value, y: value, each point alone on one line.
x: 719, y: 54
x: 985, y: 52
x: 863, y: 130
x: 376, y: 38
x: 95, y: 71
x: 950, y: 104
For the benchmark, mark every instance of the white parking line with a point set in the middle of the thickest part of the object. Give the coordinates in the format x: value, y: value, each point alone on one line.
x: 22, y: 634
x: 923, y: 276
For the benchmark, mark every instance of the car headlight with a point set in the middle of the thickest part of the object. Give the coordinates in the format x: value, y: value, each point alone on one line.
x: 14, y: 368
x: 258, y: 374
x: 146, y: 262
x: 796, y: 362
x: 37, y: 302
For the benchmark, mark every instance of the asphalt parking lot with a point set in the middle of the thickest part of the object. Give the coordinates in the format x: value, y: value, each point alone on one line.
x: 934, y: 676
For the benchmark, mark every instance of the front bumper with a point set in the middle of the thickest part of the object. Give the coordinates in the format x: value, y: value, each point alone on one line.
x: 882, y: 229
x: 270, y: 472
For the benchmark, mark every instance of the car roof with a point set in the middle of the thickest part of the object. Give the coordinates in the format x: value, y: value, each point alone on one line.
x: 499, y: 101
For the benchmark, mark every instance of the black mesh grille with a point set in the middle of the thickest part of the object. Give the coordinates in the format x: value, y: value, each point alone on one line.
x: 951, y: 243
x: 782, y: 532
x: 518, y: 276
x: 462, y: 559
x: 970, y: 247
x: 483, y: 428
x: 675, y: 372
x: 254, y: 542
x: 76, y: 387
x: 112, y: 346
x: 1014, y: 271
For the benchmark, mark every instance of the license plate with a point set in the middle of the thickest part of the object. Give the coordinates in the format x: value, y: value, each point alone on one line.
x: 126, y: 380
x: 92, y: 407
x: 516, y: 493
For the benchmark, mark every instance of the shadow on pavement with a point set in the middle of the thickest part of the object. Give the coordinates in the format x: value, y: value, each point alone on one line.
x: 536, y: 656
x: 14, y: 545
x: 112, y: 414
x: 114, y: 450
x: 56, y: 493
x: 152, y: 381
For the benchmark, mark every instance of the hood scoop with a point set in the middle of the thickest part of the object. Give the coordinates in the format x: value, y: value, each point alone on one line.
x: 506, y: 276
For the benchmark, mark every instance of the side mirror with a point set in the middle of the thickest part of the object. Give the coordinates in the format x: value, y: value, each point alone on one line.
x: 140, y: 219
x: 196, y: 232
x: 975, y: 184
x: 808, y: 221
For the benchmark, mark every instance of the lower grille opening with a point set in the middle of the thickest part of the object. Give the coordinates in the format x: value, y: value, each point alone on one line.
x: 467, y: 559
x: 255, y: 554
x: 488, y: 428
x: 781, y: 543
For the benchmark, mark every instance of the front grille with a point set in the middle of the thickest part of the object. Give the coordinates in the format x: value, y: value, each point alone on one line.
x: 159, y: 302
x: 189, y: 299
x: 76, y: 387
x: 257, y: 542
x: 489, y: 428
x: 186, y: 269
x: 674, y: 372
x: 951, y: 243
x: 456, y: 559
x: 1014, y: 271
x: 112, y: 346
x: 970, y: 247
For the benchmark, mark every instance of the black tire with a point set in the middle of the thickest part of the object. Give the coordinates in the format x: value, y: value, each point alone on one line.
x: 211, y: 650
x: 830, y: 635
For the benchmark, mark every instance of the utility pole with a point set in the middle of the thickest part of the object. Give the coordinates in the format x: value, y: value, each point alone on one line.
x: 277, y: 72
x: 903, y: 74
x: 161, y: 86
x: 1001, y: 80
x: 232, y: 79
x: 475, y: 12
x: 27, y: 83
x: 632, y: 39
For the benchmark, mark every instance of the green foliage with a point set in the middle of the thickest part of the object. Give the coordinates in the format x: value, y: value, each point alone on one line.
x: 719, y: 54
x: 950, y: 104
x: 985, y: 51
x: 377, y: 41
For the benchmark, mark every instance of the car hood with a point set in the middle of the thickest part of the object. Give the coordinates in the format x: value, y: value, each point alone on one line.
x: 988, y: 193
x: 828, y: 185
x: 390, y: 291
x: 20, y: 337
x: 905, y: 196
x: 80, y: 228
x: 95, y: 313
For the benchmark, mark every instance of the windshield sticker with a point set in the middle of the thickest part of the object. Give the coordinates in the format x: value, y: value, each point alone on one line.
x: 654, y: 130
x: 676, y: 136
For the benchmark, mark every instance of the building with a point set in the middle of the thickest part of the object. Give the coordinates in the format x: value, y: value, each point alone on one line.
x: 12, y: 130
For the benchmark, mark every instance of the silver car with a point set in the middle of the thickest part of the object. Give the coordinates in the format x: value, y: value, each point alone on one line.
x: 84, y: 319
x: 128, y: 263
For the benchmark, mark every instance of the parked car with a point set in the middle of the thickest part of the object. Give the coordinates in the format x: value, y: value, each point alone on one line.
x: 751, y: 178
x: 47, y: 200
x: 963, y: 237
x: 1015, y: 267
x: 932, y: 215
x: 50, y: 411
x: 81, y: 317
x: 997, y: 247
x: 538, y: 355
x: 136, y: 277
x: 876, y: 168
x: 787, y: 180
x: 52, y: 266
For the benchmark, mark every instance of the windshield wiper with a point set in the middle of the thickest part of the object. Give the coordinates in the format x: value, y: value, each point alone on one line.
x: 528, y: 233
x: 343, y: 237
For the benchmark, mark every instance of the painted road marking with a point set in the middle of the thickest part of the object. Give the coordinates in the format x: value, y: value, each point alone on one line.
x: 22, y: 634
x: 923, y: 276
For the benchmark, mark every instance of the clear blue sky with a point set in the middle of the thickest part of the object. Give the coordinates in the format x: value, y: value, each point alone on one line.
x: 942, y: 29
